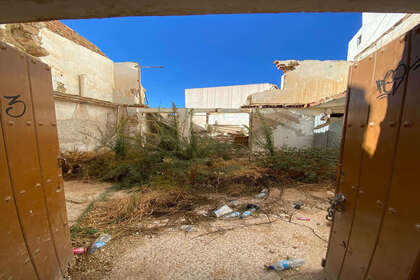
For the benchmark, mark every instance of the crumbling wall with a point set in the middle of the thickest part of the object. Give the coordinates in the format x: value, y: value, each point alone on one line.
x: 80, y: 125
x: 78, y: 67
x: 290, y: 127
x: 24, y: 36
x: 305, y: 82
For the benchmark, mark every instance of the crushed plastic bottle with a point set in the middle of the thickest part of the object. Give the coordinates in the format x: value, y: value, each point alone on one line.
x: 99, y: 242
x: 224, y: 210
x: 232, y: 215
x: 248, y: 213
x: 286, y: 264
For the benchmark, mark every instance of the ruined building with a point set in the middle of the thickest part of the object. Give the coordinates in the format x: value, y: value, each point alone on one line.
x: 90, y: 90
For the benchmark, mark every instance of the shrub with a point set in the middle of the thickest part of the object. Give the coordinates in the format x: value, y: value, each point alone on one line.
x: 306, y: 164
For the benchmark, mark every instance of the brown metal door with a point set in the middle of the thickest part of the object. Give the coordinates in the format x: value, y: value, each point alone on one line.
x: 379, y: 142
x: 14, y: 258
x: 357, y: 114
x: 47, y: 143
x: 399, y: 241
x: 31, y: 151
x: 377, y: 236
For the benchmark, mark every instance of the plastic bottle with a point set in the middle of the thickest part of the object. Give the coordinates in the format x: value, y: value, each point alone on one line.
x: 232, y: 215
x: 99, y: 242
x: 224, y: 210
x: 248, y: 213
x: 286, y: 264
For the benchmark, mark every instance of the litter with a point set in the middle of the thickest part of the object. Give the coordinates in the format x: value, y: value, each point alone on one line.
x: 286, y: 264
x: 251, y: 209
x: 303, y: 219
x: 247, y: 213
x: 298, y: 205
x: 252, y: 206
x: 262, y: 194
x: 232, y: 215
x: 187, y: 228
x: 224, y: 210
x: 99, y: 242
x: 79, y: 251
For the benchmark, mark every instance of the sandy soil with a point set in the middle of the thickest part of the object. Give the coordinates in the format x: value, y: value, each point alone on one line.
x: 223, y: 249
x: 79, y: 195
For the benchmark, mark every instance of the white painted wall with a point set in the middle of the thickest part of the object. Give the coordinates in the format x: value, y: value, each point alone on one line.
x: 222, y: 97
x: 377, y: 30
x: 68, y: 60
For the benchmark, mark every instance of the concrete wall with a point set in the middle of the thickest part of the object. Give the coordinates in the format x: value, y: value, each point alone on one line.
x: 290, y: 127
x: 222, y: 97
x: 377, y: 30
x: 305, y: 82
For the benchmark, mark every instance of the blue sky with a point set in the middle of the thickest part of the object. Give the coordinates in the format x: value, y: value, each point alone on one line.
x: 217, y: 50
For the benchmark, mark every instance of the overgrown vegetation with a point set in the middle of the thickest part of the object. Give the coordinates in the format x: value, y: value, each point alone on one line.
x: 308, y: 165
x: 161, y: 156
x: 165, y: 158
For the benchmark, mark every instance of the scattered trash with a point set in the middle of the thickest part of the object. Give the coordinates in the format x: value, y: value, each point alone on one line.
x: 99, y: 242
x: 252, y: 206
x: 79, y: 251
x: 187, y: 228
x: 298, y: 205
x: 286, y: 264
x: 262, y: 194
x: 248, y: 213
x: 223, y: 211
x: 232, y: 215
x: 303, y: 219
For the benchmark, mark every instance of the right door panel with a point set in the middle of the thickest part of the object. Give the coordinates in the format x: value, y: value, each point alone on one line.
x: 401, y: 227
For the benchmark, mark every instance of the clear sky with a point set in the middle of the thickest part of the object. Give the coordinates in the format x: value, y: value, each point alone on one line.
x: 217, y: 50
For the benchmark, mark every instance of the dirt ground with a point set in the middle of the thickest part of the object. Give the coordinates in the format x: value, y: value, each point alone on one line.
x: 214, y: 248
x: 79, y: 195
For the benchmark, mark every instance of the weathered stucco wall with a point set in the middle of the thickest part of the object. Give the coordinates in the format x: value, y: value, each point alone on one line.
x: 290, y: 127
x: 79, y: 125
x: 378, y: 29
x: 128, y: 89
x: 68, y: 60
x: 305, y: 82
